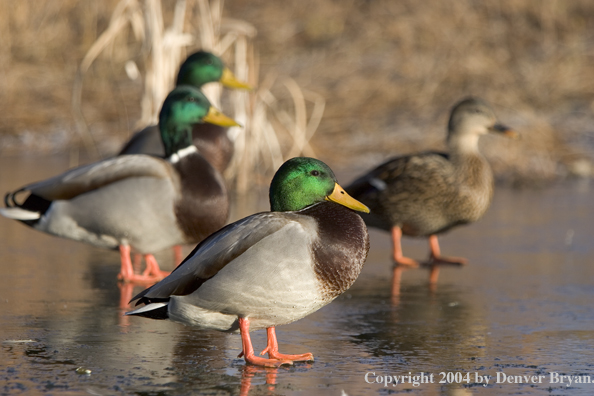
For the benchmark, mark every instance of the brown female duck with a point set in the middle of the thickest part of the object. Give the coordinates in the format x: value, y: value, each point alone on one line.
x: 425, y: 194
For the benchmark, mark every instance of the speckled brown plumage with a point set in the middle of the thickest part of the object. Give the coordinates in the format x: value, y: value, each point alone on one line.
x: 424, y: 194
x: 427, y: 193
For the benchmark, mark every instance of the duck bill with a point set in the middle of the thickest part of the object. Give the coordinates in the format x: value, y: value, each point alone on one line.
x: 214, y: 116
x: 505, y: 131
x: 229, y: 80
x: 341, y: 197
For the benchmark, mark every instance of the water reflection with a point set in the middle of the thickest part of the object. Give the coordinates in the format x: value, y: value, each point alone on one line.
x: 248, y: 373
x: 523, y: 305
x: 423, y: 327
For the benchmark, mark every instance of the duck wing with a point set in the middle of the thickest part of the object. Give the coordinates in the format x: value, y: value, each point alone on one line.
x: 428, y: 165
x: 146, y: 141
x: 90, y: 177
x: 214, y: 253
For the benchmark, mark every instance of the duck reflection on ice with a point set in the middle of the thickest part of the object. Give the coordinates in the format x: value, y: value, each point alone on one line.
x: 420, y: 328
x: 201, y: 358
x: 248, y: 373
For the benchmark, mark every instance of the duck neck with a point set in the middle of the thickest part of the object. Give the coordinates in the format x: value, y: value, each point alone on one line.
x: 176, y: 138
x: 214, y: 144
x: 461, y: 145
x: 473, y: 169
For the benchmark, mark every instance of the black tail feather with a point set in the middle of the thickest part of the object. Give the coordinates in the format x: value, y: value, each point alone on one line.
x: 156, y: 313
x: 33, y: 203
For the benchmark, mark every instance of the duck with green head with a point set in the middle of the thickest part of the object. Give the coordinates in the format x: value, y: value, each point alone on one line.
x: 270, y: 268
x: 212, y: 141
x: 136, y: 201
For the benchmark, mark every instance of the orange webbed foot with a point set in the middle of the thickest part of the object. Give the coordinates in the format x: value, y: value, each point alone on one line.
x: 248, y: 349
x: 275, y: 354
x: 138, y: 278
x: 152, y: 268
x: 435, y: 257
x: 258, y: 361
x: 399, y: 258
x: 441, y: 260
x: 152, y: 273
x: 405, y: 262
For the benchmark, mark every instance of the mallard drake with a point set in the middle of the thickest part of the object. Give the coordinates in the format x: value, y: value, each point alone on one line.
x: 137, y: 201
x: 212, y: 141
x: 425, y: 194
x: 269, y: 268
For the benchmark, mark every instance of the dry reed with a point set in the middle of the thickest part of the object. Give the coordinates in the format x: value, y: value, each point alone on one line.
x: 259, y: 149
x: 389, y: 72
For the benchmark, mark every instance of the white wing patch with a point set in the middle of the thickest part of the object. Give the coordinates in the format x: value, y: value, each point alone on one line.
x: 377, y: 183
x: 19, y: 214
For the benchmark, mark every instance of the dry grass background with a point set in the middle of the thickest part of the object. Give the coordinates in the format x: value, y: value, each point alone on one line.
x: 389, y: 72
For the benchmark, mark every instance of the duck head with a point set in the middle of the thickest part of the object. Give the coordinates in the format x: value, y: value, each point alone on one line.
x: 302, y: 181
x: 471, y: 118
x: 184, y: 107
x: 203, y: 67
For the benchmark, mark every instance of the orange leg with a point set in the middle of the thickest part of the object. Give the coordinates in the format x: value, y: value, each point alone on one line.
x: 400, y: 262
x: 137, y: 262
x: 127, y: 271
x: 153, y: 267
x: 435, y: 259
x: 272, y: 349
x: 399, y: 259
x: 248, y: 349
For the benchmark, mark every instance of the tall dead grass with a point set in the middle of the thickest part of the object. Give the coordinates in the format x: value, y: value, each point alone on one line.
x: 389, y: 72
x: 259, y: 148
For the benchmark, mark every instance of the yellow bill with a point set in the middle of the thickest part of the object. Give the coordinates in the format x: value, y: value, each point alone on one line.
x: 228, y: 79
x: 214, y: 116
x: 341, y: 197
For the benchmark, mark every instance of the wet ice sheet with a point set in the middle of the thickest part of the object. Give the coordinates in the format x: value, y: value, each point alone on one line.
x: 523, y: 306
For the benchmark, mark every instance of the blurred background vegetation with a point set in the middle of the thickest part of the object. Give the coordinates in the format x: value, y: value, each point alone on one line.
x: 389, y: 72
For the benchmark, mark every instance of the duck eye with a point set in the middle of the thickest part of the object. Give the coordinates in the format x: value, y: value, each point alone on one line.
x: 315, y: 173
x: 191, y: 99
x: 209, y: 61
